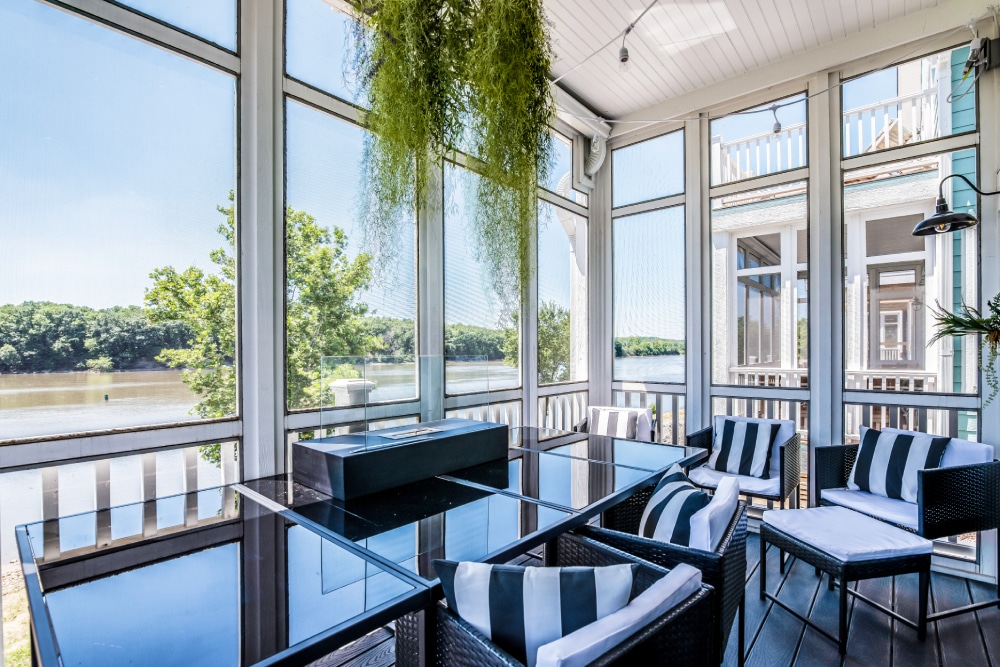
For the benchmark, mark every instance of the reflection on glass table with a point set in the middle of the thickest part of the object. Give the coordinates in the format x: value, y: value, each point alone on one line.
x: 434, y: 518
x: 231, y: 583
x: 629, y: 453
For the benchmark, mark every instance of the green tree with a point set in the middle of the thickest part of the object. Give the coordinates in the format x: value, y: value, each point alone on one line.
x: 323, y: 315
x: 553, y: 343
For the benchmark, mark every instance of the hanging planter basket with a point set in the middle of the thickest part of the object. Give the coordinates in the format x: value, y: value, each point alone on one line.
x: 968, y: 321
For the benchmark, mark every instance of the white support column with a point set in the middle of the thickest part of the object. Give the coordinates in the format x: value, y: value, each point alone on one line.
x: 826, y: 309
x: 528, y: 334
x: 260, y: 239
x: 698, y: 281
x: 430, y: 296
x: 601, y: 289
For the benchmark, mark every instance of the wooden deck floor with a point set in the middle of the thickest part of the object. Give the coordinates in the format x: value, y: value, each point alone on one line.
x: 777, y: 639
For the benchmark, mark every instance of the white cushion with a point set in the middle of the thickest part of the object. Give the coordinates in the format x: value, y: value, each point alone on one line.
x: 958, y: 452
x: 708, y: 477
x: 895, y: 511
x: 708, y: 525
x: 786, y: 431
x: 614, y: 422
x: 847, y: 536
x: 594, y: 640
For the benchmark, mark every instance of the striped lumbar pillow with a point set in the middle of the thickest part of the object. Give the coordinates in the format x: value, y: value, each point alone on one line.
x: 522, y: 608
x: 887, y: 463
x: 619, y: 422
x: 743, y: 447
x: 667, y: 517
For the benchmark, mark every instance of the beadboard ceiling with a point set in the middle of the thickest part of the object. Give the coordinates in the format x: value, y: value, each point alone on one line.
x: 683, y: 45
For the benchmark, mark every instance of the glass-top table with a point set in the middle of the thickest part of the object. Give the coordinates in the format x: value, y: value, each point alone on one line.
x: 231, y: 583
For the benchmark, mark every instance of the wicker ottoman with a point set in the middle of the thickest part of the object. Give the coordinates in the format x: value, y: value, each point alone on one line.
x: 849, y: 546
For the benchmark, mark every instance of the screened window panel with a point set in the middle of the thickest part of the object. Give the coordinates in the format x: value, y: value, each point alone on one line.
x: 759, y: 141
x: 340, y: 298
x: 760, y: 306
x: 648, y: 170
x: 562, y: 296
x: 894, y: 279
x: 115, y: 253
x: 560, y: 176
x: 916, y: 101
x: 212, y: 20
x: 475, y: 324
x: 318, y: 47
x: 649, y: 301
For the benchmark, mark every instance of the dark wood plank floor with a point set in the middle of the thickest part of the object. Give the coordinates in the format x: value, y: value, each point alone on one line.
x: 775, y: 638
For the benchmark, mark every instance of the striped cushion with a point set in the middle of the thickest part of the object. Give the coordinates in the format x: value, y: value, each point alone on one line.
x: 627, y: 423
x: 887, y: 463
x: 522, y: 608
x: 743, y: 447
x: 667, y: 517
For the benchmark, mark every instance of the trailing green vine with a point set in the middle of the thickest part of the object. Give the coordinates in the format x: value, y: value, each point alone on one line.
x: 438, y: 74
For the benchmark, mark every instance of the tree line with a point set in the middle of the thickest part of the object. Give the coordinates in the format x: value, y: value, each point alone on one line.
x: 646, y: 346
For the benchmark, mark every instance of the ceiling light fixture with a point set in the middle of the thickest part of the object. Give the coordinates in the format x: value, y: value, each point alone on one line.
x: 623, y: 63
x: 944, y: 220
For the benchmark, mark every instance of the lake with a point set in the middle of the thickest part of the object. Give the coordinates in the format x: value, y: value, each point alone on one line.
x: 665, y: 368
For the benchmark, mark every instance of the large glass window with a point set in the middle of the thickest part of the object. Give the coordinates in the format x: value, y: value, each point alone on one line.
x: 763, y: 140
x: 649, y: 317
x: 562, y: 295
x: 893, y: 279
x: 317, y: 46
x: 117, y: 276
x: 759, y: 287
x: 340, y: 300
x: 475, y: 324
x: 648, y: 170
x: 917, y: 101
x: 214, y: 20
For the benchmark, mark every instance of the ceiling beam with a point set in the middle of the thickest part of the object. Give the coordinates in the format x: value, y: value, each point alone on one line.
x: 907, y: 30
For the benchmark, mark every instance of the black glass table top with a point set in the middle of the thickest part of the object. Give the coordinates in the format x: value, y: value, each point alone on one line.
x: 631, y: 453
x: 231, y: 583
x: 414, y: 524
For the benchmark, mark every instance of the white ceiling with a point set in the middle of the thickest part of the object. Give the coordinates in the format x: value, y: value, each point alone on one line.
x: 683, y: 45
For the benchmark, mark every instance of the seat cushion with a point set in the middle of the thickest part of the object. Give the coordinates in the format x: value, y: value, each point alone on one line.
x: 710, y: 478
x: 846, y: 535
x: 668, y: 514
x: 894, y: 511
x: 958, y: 452
x: 743, y: 447
x: 629, y: 423
x: 590, y: 642
x: 887, y: 463
x: 786, y: 429
x: 521, y: 608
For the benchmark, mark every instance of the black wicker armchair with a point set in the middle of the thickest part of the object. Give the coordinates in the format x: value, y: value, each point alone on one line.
x: 789, y: 476
x: 724, y: 569
x: 950, y: 501
x: 679, y: 637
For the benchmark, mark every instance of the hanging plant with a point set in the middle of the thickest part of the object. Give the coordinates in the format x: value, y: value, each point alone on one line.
x: 437, y: 74
x: 969, y: 322
x: 405, y: 64
x: 510, y: 105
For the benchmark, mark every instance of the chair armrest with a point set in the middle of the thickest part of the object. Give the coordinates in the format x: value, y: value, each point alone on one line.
x: 833, y: 467
x: 702, y: 438
x: 626, y: 515
x: 581, y: 426
x: 958, y: 499
x: 791, y: 465
x: 457, y: 642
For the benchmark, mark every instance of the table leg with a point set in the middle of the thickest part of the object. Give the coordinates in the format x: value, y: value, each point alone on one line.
x: 741, y: 633
x: 763, y: 566
x: 925, y: 582
x: 843, y: 616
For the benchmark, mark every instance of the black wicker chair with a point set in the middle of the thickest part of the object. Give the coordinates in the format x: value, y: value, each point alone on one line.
x: 679, y: 637
x: 789, y: 475
x: 950, y: 501
x: 724, y: 569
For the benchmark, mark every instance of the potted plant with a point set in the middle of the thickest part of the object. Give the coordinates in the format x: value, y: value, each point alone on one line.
x: 968, y: 321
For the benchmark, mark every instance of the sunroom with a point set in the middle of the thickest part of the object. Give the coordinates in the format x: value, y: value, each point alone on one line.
x: 257, y: 370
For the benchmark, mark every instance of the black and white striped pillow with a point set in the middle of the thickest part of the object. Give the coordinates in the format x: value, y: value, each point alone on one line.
x: 617, y: 423
x: 667, y: 517
x: 522, y: 608
x: 887, y: 463
x: 744, y: 448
